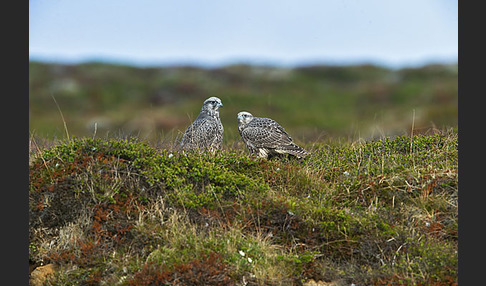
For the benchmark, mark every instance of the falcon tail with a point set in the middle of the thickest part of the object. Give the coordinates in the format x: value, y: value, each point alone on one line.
x: 293, y: 149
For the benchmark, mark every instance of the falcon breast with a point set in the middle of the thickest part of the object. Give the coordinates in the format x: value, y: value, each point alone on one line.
x: 206, y: 132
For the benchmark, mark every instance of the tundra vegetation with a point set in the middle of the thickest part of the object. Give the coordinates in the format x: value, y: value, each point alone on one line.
x: 311, y: 102
x: 122, y: 212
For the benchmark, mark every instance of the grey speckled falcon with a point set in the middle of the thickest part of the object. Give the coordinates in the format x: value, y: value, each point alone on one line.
x: 206, y: 132
x: 264, y: 137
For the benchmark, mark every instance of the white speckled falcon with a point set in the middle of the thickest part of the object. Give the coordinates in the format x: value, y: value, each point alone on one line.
x: 206, y: 132
x: 264, y: 137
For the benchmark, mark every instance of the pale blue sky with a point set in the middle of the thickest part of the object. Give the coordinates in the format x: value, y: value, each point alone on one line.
x: 152, y: 32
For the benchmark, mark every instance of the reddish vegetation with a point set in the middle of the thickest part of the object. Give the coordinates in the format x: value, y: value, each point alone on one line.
x: 207, y: 270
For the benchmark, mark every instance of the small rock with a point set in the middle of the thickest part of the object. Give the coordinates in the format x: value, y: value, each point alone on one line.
x: 312, y: 282
x: 40, y: 274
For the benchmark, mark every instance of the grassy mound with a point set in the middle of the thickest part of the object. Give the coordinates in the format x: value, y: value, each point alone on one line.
x: 124, y: 213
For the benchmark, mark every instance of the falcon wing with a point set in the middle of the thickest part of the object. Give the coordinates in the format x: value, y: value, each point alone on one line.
x: 265, y: 132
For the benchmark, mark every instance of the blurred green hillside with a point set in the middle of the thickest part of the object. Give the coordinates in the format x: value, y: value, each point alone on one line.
x: 311, y: 102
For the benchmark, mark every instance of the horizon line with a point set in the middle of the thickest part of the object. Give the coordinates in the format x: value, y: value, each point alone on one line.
x: 241, y: 61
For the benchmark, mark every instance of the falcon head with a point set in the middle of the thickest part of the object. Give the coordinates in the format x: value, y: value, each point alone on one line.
x: 244, y: 118
x: 212, y: 104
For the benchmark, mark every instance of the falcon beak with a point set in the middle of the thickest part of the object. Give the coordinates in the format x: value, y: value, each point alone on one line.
x: 220, y: 104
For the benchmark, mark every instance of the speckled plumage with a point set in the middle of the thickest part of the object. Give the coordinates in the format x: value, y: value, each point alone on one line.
x: 264, y: 137
x: 206, y: 132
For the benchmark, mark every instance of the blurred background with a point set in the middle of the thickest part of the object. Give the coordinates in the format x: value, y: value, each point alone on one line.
x: 359, y: 69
